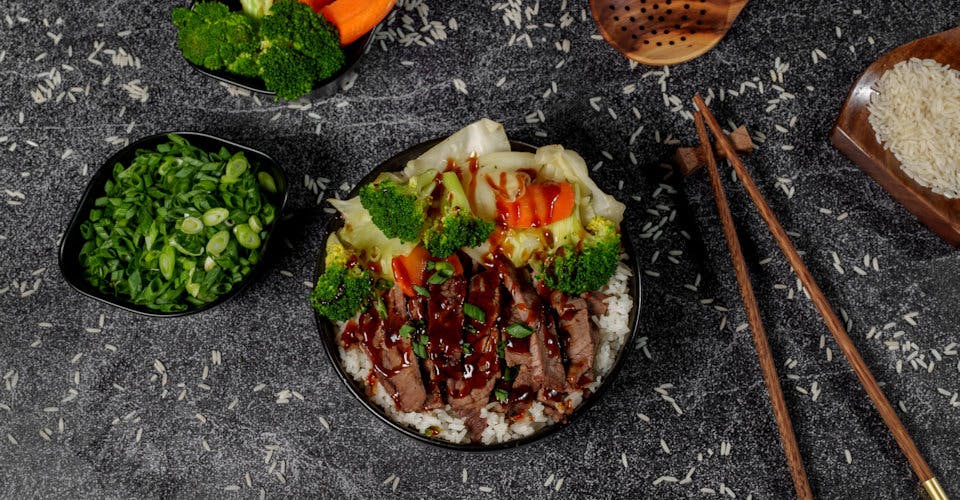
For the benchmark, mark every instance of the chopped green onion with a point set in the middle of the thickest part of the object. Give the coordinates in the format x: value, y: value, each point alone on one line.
x: 502, y: 395
x: 473, y: 312
x: 167, y: 262
x: 381, y: 308
x: 421, y: 290
x: 266, y: 182
x: 467, y: 348
x: 191, y: 225
x: 246, y: 237
x: 236, y: 166
x: 215, y: 216
x: 443, y: 266
x: 519, y: 330
x: 502, y: 349
x: 437, y: 278
x: 254, y: 223
x: 218, y: 242
x: 186, y: 251
x: 153, y: 236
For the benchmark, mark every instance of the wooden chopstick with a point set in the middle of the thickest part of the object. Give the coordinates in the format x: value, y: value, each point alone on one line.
x: 767, y: 364
x: 887, y: 413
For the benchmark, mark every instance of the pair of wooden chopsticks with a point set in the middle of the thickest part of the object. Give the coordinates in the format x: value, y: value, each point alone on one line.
x: 767, y: 365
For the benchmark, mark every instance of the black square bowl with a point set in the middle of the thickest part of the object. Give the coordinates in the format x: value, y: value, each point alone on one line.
x: 72, y: 241
x: 321, y: 88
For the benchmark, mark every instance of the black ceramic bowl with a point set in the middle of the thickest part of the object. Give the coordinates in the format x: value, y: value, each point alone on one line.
x: 73, y: 241
x: 328, y: 331
x: 323, y: 88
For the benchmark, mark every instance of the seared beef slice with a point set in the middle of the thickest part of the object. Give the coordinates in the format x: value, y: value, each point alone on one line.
x: 481, y: 367
x: 538, y: 355
x: 579, y: 337
x: 394, y: 363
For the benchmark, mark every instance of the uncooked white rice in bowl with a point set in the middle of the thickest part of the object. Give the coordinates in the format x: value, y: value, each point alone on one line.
x: 915, y: 113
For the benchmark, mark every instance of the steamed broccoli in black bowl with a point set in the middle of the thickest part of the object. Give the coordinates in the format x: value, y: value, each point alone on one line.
x: 284, y: 43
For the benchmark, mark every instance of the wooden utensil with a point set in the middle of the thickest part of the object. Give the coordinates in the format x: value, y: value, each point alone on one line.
x: 880, y: 402
x: 767, y: 364
x: 664, y: 32
x: 856, y: 139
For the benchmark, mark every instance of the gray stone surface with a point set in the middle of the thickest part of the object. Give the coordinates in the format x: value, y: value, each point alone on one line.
x: 122, y: 437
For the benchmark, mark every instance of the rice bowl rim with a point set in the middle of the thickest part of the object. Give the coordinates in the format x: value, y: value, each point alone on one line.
x: 328, y: 330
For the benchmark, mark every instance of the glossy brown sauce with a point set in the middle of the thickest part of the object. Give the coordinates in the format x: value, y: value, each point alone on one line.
x: 445, y: 327
x: 363, y: 332
x: 482, y: 364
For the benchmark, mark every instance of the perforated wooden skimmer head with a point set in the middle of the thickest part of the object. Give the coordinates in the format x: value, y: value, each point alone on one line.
x: 664, y: 32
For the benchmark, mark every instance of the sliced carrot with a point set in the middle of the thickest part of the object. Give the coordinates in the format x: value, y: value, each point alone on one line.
x: 408, y: 269
x: 564, y: 203
x: 355, y: 18
x: 457, y: 267
x: 539, y: 205
x: 411, y: 270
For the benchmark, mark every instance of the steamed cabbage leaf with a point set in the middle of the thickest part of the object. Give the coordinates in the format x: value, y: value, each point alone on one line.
x: 360, y: 233
x: 477, y: 139
x: 561, y: 164
x: 502, y: 172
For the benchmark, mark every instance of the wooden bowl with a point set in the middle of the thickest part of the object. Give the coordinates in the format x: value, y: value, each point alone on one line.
x: 856, y: 139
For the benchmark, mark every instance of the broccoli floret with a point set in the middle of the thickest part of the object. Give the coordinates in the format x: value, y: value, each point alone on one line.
x: 399, y: 210
x: 299, y: 48
x: 286, y: 72
x: 245, y: 65
x: 344, y: 287
x: 212, y: 36
x: 457, y: 226
x: 587, y: 266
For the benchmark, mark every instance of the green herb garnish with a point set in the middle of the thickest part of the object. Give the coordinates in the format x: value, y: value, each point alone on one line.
x: 420, y: 351
x: 421, y: 290
x: 519, y: 330
x: 473, y: 312
x: 406, y: 330
x: 502, y: 395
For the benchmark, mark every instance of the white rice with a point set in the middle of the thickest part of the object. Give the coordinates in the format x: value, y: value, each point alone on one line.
x: 613, y: 328
x: 915, y: 113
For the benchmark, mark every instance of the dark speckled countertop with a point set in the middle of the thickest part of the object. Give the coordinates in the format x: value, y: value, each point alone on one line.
x: 82, y: 418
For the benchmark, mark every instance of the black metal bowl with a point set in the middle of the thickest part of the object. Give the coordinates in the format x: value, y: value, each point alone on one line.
x: 328, y: 331
x: 321, y: 88
x: 73, y: 241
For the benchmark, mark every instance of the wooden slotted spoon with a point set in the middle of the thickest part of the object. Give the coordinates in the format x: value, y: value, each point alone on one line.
x: 664, y: 32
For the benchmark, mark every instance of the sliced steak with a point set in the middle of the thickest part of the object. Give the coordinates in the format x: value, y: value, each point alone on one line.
x: 445, y: 329
x: 595, y: 301
x: 481, y: 366
x: 537, y: 355
x: 578, y: 337
x: 417, y: 311
x: 394, y: 364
